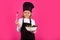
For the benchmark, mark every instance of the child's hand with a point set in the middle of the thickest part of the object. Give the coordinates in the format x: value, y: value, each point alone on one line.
x: 16, y: 22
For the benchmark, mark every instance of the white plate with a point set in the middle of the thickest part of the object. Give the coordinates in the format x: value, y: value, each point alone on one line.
x: 31, y: 28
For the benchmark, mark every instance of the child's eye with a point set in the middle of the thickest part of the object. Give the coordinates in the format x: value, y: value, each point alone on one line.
x: 28, y: 13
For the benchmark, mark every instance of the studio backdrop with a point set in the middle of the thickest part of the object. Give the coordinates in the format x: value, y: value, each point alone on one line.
x: 42, y: 14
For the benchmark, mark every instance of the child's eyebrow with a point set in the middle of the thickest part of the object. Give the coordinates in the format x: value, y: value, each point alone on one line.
x: 25, y: 12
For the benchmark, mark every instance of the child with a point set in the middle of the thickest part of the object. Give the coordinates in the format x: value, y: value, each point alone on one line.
x: 26, y: 20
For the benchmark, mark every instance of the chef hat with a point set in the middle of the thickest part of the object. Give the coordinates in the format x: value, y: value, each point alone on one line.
x: 28, y: 6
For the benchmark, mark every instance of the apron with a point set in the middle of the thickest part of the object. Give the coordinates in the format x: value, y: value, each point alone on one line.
x: 26, y: 35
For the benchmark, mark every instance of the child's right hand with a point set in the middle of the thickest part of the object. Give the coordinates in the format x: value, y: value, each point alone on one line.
x: 16, y: 22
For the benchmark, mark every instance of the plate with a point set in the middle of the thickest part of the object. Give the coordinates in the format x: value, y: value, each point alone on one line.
x: 31, y: 28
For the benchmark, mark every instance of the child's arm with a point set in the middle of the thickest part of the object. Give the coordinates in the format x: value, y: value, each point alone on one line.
x: 17, y: 22
x: 33, y: 23
x: 19, y: 25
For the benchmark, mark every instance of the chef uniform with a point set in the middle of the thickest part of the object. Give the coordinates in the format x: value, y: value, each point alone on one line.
x: 23, y: 22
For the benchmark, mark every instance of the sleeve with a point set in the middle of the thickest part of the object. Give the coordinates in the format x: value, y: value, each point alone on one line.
x: 18, y: 29
x: 19, y: 25
x: 33, y: 22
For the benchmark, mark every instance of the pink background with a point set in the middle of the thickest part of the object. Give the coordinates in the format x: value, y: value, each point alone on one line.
x: 46, y: 13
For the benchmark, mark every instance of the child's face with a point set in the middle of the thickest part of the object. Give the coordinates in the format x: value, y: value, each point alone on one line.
x: 27, y: 14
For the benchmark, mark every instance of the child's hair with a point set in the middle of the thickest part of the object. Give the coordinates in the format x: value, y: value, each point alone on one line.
x: 24, y: 17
